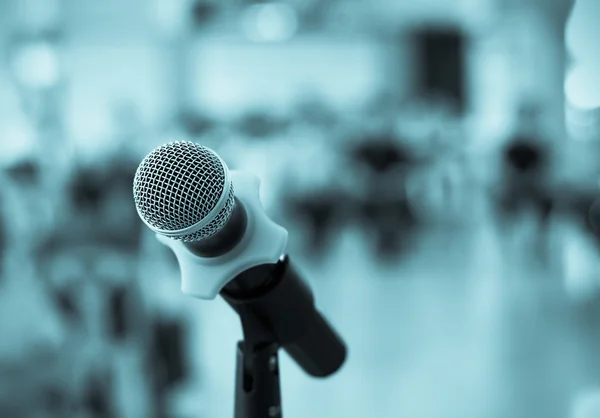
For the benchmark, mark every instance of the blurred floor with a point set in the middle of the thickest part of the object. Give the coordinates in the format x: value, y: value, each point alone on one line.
x: 455, y: 330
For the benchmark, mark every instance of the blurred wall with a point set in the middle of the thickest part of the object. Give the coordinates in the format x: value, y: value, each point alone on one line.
x: 234, y: 75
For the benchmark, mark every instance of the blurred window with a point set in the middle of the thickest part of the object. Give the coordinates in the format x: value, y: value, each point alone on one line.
x: 441, y: 64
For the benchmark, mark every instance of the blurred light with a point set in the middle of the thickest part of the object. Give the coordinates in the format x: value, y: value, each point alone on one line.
x: 582, y: 87
x: 587, y: 404
x: 270, y: 22
x: 36, y: 65
x: 18, y: 143
x: 582, y: 31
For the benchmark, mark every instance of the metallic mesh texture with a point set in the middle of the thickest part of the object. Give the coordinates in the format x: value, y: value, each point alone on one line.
x: 177, y: 185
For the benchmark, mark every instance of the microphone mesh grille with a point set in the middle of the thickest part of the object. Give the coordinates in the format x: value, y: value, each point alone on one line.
x: 177, y: 185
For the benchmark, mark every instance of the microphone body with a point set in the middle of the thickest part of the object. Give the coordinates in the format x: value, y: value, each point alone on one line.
x: 225, y: 244
x: 281, y: 301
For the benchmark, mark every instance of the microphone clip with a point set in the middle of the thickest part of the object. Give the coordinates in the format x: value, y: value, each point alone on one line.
x: 264, y: 242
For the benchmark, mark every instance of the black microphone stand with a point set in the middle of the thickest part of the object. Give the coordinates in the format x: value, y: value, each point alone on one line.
x: 277, y: 310
x: 257, y: 388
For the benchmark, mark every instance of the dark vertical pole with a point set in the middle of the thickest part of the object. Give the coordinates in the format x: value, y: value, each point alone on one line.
x: 257, y: 389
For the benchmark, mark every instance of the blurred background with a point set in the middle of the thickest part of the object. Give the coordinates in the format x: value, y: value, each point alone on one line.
x: 437, y: 163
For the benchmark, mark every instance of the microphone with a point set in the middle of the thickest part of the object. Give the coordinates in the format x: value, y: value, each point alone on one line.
x: 225, y: 244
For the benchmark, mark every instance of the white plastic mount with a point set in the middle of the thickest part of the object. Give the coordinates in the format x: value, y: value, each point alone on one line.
x: 264, y: 242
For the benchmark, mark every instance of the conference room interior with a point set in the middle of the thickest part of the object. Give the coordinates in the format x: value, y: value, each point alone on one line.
x: 436, y: 164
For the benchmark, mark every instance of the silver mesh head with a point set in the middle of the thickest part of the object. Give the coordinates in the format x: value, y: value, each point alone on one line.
x: 182, y: 190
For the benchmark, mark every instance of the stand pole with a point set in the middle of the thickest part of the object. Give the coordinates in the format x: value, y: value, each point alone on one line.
x: 257, y: 390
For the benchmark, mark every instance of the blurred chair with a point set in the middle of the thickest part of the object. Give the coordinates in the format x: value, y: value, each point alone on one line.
x: 320, y: 212
x: 527, y: 188
x: 382, y: 165
x: 101, y: 208
x: 526, y: 162
x: 261, y: 124
x: 310, y: 188
x: 168, y: 361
